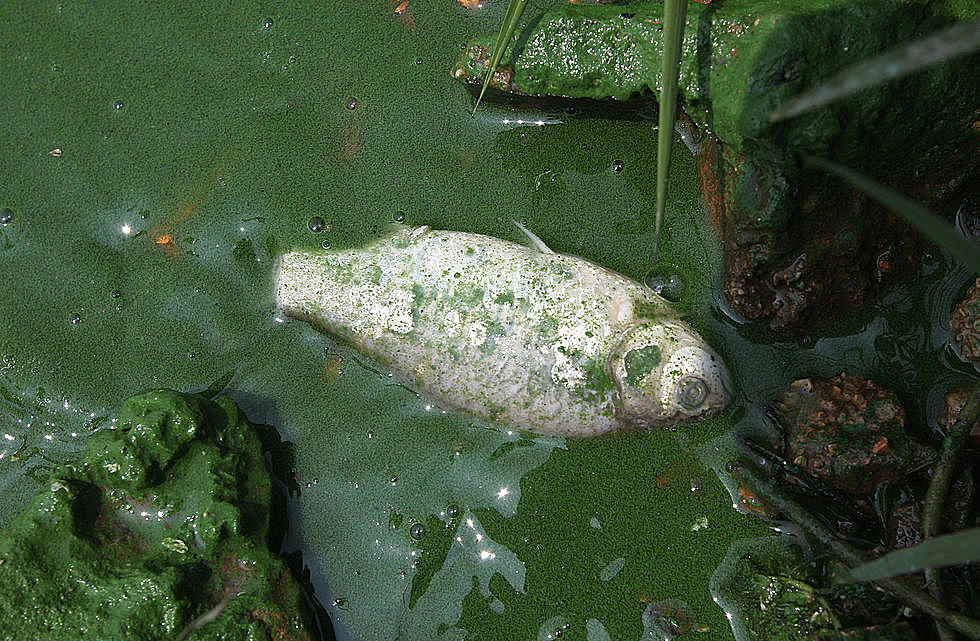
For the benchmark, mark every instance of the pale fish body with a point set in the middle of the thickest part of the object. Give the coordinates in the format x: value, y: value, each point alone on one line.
x: 516, y: 335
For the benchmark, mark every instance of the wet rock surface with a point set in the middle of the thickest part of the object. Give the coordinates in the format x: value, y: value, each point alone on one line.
x: 797, y: 253
x: 965, y: 325
x: 848, y: 432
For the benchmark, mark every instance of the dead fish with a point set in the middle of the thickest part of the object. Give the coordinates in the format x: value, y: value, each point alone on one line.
x: 517, y: 335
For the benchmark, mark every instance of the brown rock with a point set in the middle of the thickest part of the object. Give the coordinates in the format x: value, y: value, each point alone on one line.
x: 849, y: 432
x: 965, y: 325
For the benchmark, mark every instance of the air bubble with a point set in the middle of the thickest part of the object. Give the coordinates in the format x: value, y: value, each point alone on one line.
x: 6, y: 215
x: 316, y: 224
x: 117, y: 105
x: 370, y: 434
x: 452, y: 511
x: 75, y: 319
x: 399, y: 217
x: 417, y: 531
x: 670, y: 286
x: 393, y: 480
x: 325, y: 245
x: 352, y: 104
x: 418, y: 61
x: 115, y: 293
x: 617, y: 165
x: 267, y: 24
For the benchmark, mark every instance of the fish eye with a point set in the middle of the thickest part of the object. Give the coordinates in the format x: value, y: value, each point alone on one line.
x: 692, y: 392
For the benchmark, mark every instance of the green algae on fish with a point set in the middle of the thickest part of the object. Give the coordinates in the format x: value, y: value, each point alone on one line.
x: 519, y: 336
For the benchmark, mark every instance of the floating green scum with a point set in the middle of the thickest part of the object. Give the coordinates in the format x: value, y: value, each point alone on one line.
x: 517, y: 335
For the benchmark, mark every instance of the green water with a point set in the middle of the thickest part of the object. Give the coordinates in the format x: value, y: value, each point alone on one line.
x: 196, y: 143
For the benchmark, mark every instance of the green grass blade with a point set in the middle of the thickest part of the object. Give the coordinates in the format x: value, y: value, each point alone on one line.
x: 675, y: 13
x: 950, y: 549
x: 956, y: 40
x: 930, y: 225
x: 514, y: 11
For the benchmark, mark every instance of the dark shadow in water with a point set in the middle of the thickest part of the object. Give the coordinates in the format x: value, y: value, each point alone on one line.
x: 280, y: 458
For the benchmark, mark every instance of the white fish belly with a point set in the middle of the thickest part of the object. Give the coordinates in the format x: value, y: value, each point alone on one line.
x: 507, y: 333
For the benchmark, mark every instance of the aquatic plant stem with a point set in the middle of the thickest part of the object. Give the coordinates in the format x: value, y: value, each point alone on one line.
x: 968, y: 627
x: 514, y: 11
x: 942, y: 477
x: 675, y: 14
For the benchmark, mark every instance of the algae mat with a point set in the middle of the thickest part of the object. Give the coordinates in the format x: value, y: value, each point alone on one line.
x: 155, y: 162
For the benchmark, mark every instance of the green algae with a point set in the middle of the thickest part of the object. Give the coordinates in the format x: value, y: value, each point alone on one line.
x: 741, y: 59
x: 212, y: 89
x: 164, y: 518
x: 640, y: 363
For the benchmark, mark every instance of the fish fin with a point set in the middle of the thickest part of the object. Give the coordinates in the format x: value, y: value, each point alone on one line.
x: 418, y: 232
x: 535, y: 242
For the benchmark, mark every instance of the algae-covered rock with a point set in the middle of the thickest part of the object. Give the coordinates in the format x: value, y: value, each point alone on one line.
x: 798, y: 247
x: 772, y: 593
x: 161, y: 528
x: 849, y: 432
x: 767, y: 589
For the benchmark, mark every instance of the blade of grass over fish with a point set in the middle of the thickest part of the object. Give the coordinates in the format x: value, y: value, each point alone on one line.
x: 514, y: 11
x: 956, y: 40
x: 675, y: 13
x: 942, y: 551
x: 932, y: 226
